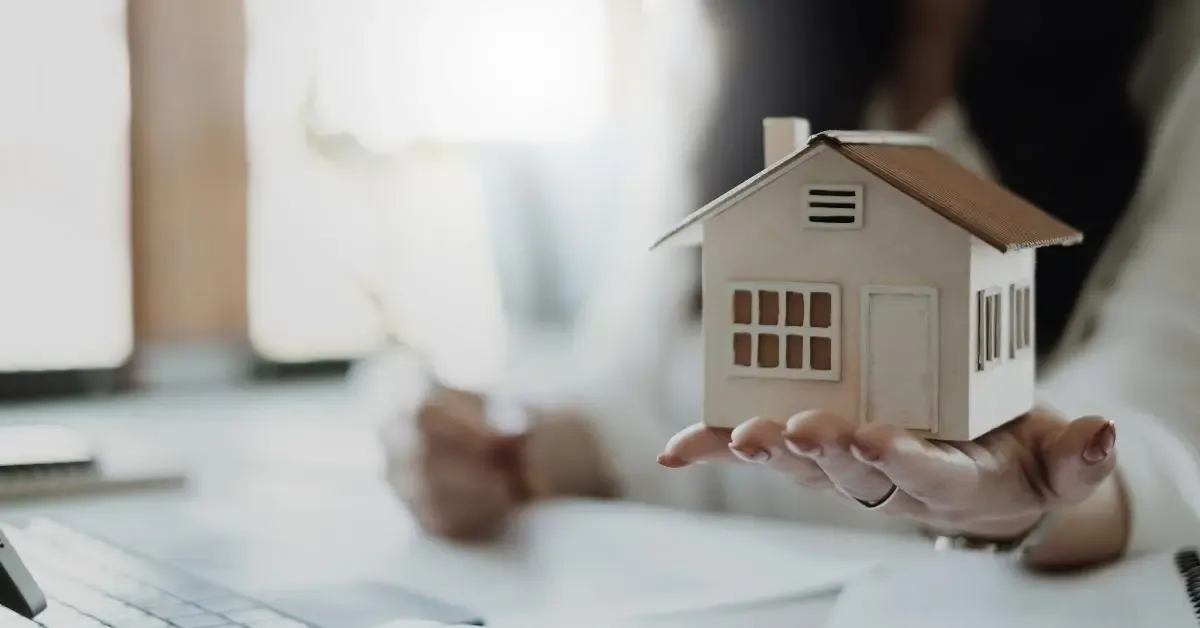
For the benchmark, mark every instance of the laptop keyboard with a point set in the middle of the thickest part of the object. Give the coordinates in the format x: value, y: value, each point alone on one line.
x: 92, y: 584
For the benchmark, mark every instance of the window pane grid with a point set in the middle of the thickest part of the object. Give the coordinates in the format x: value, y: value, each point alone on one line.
x: 980, y: 326
x: 988, y: 320
x: 1014, y: 320
x: 1026, y: 315
x: 1021, y: 313
x: 995, y: 327
x: 792, y: 330
x: 1023, y: 318
x: 990, y: 323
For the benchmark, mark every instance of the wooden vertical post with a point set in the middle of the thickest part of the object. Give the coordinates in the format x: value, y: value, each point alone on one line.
x: 188, y: 175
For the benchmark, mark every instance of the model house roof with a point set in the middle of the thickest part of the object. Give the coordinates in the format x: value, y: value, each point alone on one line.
x: 912, y: 165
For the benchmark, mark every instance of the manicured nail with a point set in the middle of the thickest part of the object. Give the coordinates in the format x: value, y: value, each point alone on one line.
x: 864, y: 453
x: 804, y: 447
x: 1101, y: 445
x: 751, y: 454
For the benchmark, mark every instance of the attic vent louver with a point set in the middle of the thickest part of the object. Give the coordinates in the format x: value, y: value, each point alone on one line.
x: 833, y: 206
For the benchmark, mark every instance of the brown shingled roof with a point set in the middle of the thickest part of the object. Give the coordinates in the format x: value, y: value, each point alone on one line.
x: 984, y: 208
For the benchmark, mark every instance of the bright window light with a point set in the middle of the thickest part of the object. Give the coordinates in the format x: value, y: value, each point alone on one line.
x: 407, y: 224
x: 65, y: 278
x: 462, y: 70
x: 312, y: 229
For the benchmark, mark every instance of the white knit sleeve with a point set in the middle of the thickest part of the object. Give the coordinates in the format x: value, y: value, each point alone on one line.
x: 1162, y: 484
x: 1140, y: 363
x: 627, y: 337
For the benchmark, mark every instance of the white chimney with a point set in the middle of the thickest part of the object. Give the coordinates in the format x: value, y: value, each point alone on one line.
x: 782, y: 137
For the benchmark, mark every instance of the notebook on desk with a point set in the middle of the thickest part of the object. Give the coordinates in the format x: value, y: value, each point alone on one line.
x: 42, y: 461
x: 954, y: 589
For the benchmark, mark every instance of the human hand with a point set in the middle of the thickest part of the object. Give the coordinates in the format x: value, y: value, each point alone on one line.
x: 995, y: 487
x: 460, y: 477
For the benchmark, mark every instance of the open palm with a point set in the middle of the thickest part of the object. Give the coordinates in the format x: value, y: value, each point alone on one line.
x: 997, y: 485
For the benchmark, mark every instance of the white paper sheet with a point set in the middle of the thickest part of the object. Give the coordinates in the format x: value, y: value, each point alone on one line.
x: 984, y: 591
x: 612, y: 607
x: 603, y: 563
x: 679, y: 564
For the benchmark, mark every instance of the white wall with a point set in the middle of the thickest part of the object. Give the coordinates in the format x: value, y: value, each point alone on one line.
x: 1006, y: 390
x: 65, y: 277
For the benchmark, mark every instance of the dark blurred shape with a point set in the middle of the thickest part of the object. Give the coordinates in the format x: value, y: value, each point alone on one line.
x: 39, y: 385
x: 1045, y: 86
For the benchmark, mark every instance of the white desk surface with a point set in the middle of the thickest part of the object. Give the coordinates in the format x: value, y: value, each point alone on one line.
x: 286, y: 494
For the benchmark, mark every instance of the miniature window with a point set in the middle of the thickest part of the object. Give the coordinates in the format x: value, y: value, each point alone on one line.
x: 987, y: 337
x: 833, y: 206
x: 787, y: 330
x: 1021, y: 321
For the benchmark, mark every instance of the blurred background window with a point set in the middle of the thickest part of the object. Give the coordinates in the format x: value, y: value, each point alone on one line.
x: 65, y: 276
x: 320, y: 178
x: 387, y: 141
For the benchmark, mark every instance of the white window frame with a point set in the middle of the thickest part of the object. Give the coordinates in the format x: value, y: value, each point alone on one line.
x: 782, y: 330
x: 988, y: 336
x: 855, y: 213
x: 1020, y: 300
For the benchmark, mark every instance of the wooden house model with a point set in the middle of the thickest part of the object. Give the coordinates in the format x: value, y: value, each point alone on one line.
x: 870, y: 275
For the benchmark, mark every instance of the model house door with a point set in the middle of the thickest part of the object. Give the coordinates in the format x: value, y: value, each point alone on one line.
x: 900, y: 356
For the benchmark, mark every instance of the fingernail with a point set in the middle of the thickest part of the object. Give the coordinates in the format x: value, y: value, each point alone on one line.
x: 671, y: 461
x: 804, y: 447
x: 864, y: 453
x: 751, y: 454
x: 1101, y: 445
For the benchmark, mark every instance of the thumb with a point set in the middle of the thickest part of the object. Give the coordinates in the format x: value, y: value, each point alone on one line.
x: 1080, y: 458
x: 509, y: 456
x: 697, y: 443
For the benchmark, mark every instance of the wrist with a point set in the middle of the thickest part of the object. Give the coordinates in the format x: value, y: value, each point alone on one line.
x: 1001, y: 530
x: 1017, y: 537
x: 1094, y: 531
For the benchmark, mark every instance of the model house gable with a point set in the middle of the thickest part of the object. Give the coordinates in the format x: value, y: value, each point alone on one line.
x: 912, y: 165
x: 783, y: 292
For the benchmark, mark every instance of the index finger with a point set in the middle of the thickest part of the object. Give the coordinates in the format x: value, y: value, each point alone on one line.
x: 929, y: 471
x: 697, y: 443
